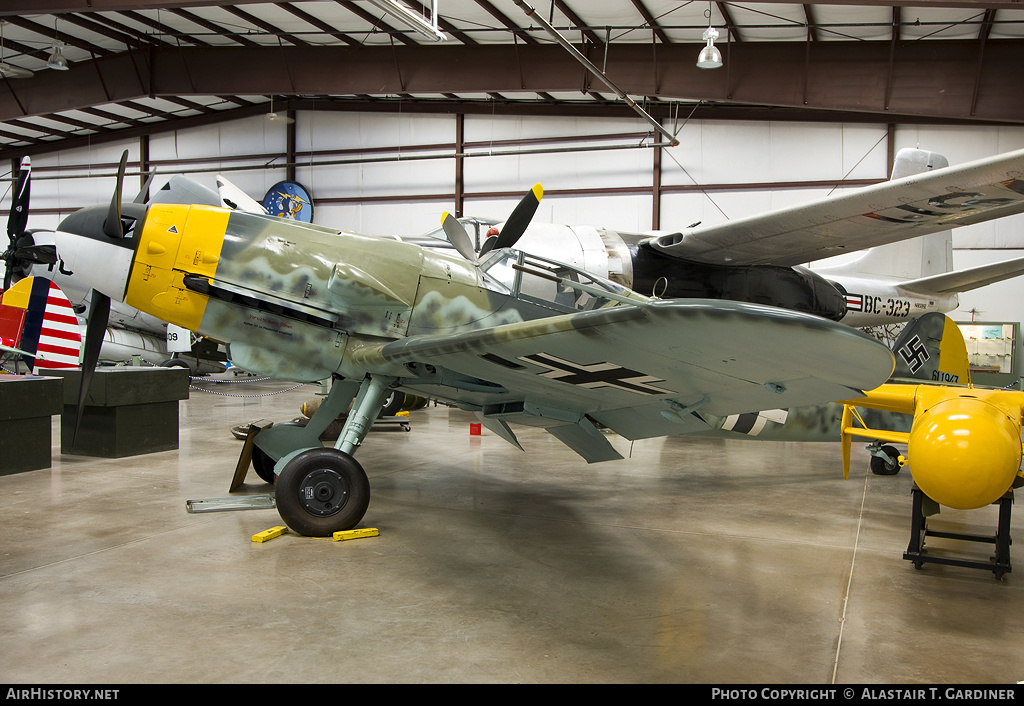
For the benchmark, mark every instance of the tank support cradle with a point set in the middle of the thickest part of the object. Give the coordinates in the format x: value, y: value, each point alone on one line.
x: 998, y: 564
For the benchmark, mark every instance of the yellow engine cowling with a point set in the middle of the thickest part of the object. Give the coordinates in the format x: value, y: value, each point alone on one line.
x: 965, y: 451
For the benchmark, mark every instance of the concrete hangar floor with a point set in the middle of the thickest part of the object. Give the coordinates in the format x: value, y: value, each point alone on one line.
x: 692, y: 561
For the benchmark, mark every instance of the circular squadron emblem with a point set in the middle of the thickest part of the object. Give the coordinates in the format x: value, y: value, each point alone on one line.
x: 289, y: 199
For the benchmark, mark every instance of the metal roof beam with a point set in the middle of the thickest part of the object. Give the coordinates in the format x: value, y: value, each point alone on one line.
x: 928, y: 79
x: 651, y: 22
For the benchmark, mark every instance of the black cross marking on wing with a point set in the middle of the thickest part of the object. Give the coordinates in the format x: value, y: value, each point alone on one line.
x: 596, y: 375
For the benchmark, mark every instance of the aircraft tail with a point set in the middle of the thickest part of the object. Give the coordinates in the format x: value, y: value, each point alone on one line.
x: 908, y: 259
x: 931, y: 348
x: 37, y: 319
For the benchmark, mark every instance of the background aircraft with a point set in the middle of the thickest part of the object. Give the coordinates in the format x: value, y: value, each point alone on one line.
x: 38, y: 326
x: 514, y: 338
x: 756, y: 259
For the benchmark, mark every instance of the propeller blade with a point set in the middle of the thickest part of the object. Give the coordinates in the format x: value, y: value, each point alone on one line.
x: 516, y: 224
x: 112, y: 227
x: 17, y: 220
x: 95, y: 329
x: 458, y: 236
x: 487, y: 246
x: 141, y: 196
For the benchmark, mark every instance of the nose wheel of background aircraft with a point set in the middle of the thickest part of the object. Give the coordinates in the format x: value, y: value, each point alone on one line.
x: 322, y: 491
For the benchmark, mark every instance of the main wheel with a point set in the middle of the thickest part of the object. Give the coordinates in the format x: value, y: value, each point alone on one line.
x: 322, y: 491
x: 881, y: 467
x: 392, y: 404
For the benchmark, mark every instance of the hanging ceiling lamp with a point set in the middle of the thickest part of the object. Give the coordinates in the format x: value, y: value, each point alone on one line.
x: 57, y: 60
x: 710, y: 57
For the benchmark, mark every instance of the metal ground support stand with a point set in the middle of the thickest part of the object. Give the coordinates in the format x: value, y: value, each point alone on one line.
x: 999, y: 564
x: 383, y: 422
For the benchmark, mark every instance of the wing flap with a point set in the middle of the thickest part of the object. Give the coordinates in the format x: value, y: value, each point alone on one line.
x: 862, y: 218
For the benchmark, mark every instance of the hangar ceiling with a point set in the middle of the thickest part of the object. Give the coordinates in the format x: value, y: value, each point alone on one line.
x: 148, y: 66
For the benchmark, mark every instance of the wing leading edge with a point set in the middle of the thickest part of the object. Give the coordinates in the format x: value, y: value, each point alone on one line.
x: 642, y: 371
x: 862, y: 218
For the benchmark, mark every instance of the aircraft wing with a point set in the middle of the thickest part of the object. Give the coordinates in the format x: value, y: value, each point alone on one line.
x: 641, y: 371
x: 966, y: 280
x: 862, y: 218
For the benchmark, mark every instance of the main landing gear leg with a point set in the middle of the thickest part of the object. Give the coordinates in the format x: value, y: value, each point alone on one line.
x: 321, y: 491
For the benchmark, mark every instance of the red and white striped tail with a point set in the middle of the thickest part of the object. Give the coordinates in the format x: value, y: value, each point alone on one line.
x: 50, y: 334
x: 60, y: 337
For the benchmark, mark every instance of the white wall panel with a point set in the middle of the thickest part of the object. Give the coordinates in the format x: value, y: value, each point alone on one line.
x: 571, y: 170
x: 961, y: 144
x: 719, y: 153
x: 345, y: 131
x: 627, y: 212
x: 482, y: 128
x: 69, y: 193
x: 255, y: 135
x: 714, y: 152
x: 377, y: 218
x: 402, y: 178
x: 1003, y: 301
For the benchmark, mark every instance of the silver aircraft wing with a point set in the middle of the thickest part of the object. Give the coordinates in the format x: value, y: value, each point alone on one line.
x: 862, y: 218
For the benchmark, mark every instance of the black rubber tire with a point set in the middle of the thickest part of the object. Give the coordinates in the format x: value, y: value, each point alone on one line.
x: 263, y: 465
x: 880, y: 468
x: 392, y: 404
x: 322, y: 491
x: 176, y: 363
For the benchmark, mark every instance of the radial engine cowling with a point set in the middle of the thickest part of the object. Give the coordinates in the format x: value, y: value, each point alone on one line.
x: 965, y: 451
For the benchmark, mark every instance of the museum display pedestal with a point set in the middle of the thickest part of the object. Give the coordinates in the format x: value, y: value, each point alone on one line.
x: 26, y: 404
x: 128, y: 411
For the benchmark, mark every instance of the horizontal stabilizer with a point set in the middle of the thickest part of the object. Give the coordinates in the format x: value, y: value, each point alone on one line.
x: 966, y: 280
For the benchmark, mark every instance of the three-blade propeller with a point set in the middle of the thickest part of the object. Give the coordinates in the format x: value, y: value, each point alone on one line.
x: 514, y: 228
x: 22, y: 252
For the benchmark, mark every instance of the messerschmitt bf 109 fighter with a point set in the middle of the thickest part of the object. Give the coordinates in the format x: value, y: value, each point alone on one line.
x: 514, y: 338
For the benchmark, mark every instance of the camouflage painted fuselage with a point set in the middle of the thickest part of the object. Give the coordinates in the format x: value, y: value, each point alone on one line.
x: 296, y: 300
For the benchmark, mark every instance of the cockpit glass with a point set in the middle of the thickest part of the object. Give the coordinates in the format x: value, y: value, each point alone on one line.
x: 550, y: 281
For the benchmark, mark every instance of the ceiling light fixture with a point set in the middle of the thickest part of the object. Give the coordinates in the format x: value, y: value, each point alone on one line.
x: 710, y: 57
x: 7, y: 70
x: 275, y: 118
x: 412, y: 20
x: 57, y: 60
